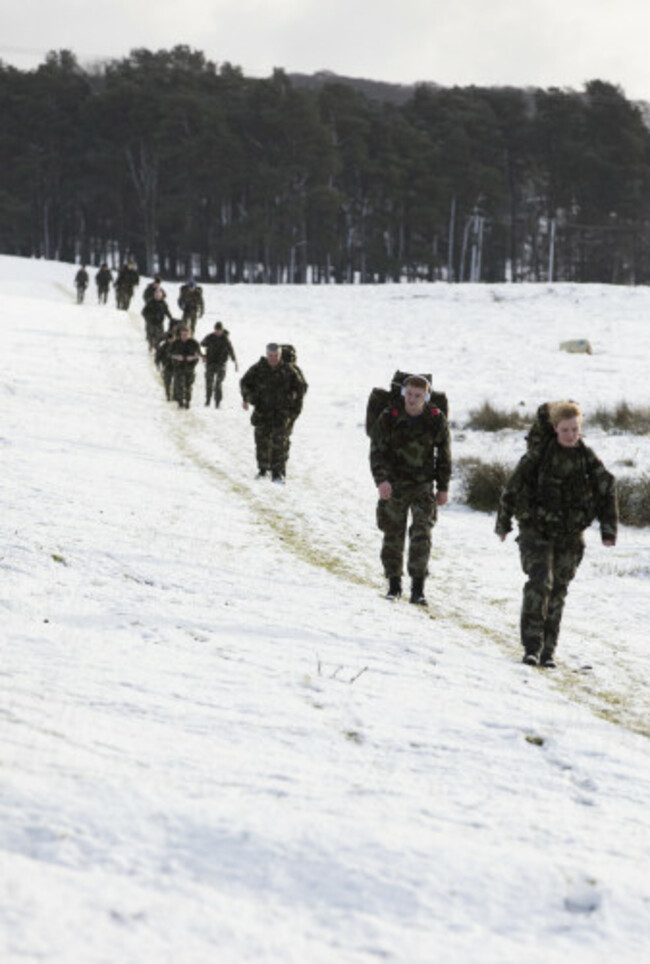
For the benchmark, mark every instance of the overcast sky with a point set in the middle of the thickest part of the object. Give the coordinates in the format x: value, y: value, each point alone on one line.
x: 541, y: 43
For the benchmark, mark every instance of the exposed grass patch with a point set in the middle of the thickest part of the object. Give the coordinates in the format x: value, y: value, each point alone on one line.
x: 634, y: 501
x: 482, y: 483
x: 487, y: 418
x: 622, y: 419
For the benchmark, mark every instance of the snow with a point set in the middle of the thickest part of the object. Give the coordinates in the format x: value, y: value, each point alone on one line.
x: 218, y: 742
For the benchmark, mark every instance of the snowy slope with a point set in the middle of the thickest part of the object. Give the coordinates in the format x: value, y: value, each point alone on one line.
x: 218, y: 742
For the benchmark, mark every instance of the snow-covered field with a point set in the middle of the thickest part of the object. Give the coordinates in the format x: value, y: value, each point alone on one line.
x: 218, y: 742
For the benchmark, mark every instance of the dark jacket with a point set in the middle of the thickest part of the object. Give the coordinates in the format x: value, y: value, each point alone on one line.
x: 183, y: 352
x: 218, y: 348
x: 155, y: 312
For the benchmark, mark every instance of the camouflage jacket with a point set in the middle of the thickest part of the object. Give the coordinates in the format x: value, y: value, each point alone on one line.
x: 127, y: 278
x: 103, y: 278
x: 559, y: 492
x: 185, y: 353
x: 190, y: 298
x: 218, y: 348
x: 404, y: 449
x: 155, y: 312
x: 273, y: 392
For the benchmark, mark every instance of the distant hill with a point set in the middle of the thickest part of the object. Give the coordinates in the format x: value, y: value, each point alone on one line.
x: 379, y: 90
x: 383, y: 91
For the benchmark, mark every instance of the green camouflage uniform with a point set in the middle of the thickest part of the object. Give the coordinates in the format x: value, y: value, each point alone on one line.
x: 218, y: 349
x: 184, y: 356
x: 103, y: 280
x: 190, y: 300
x: 277, y: 395
x: 127, y: 280
x: 411, y: 454
x: 554, y: 493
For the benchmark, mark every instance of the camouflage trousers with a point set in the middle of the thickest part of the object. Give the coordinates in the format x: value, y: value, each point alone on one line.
x: 214, y: 376
x: 272, y: 441
x: 168, y: 381
x: 392, y: 519
x: 183, y: 382
x: 550, y: 565
x: 189, y: 318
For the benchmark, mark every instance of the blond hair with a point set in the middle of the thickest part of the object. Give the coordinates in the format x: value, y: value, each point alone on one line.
x: 558, y: 411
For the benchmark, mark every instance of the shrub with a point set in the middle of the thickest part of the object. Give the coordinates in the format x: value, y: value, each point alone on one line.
x: 635, y: 421
x: 489, y: 419
x: 634, y: 501
x: 482, y: 483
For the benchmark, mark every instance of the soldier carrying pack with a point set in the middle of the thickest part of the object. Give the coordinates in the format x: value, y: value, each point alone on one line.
x: 381, y: 398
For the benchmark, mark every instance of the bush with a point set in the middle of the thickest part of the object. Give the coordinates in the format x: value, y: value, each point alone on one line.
x: 635, y: 421
x: 489, y: 419
x: 634, y: 501
x: 483, y: 483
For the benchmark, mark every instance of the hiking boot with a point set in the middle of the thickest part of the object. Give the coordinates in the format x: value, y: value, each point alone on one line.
x: 530, y: 659
x: 547, y: 662
x: 261, y: 474
x: 417, y: 592
x: 394, y: 588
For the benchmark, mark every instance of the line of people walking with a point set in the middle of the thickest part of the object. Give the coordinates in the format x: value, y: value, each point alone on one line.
x: 274, y: 387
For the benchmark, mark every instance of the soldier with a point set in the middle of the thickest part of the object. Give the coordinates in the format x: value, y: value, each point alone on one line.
x: 272, y: 386
x: 184, y: 355
x: 190, y: 300
x: 410, y: 450
x: 81, y: 283
x: 127, y: 280
x: 558, y: 488
x: 152, y: 288
x: 103, y: 280
x: 154, y: 313
x: 218, y: 350
x: 164, y: 361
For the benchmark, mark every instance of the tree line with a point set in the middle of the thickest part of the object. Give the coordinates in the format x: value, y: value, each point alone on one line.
x: 194, y: 169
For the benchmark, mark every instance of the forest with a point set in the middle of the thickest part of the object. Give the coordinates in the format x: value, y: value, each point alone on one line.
x: 193, y: 169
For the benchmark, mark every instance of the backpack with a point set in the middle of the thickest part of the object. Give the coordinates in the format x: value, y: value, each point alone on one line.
x: 381, y: 398
x: 288, y: 354
x: 541, y: 431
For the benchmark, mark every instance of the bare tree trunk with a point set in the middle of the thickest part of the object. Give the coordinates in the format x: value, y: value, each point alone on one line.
x: 144, y: 174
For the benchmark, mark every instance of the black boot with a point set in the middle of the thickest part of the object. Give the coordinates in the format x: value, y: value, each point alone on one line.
x: 394, y: 588
x: 417, y: 591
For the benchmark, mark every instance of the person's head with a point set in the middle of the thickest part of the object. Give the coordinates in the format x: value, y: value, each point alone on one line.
x: 566, y: 419
x: 273, y: 354
x: 158, y: 295
x: 191, y: 283
x: 218, y: 328
x: 416, y: 390
x: 185, y: 332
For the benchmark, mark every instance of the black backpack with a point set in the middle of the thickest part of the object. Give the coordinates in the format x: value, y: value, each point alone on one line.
x: 288, y: 354
x: 541, y: 431
x: 381, y: 398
